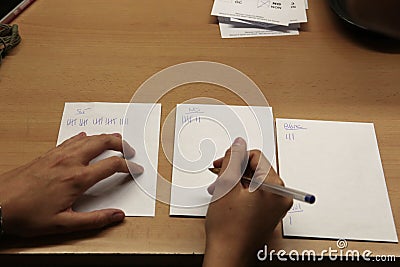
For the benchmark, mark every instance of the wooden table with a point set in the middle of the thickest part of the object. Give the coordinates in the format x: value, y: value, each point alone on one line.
x: 103, y: 50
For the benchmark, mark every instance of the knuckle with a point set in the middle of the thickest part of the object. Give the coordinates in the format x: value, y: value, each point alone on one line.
x: 98, y: 138
x: 60, y: 158
x: 98, y: 221
x: 105, y: 138
x: 81, y: 174
x: 76, y: 179
x: 116, y: 162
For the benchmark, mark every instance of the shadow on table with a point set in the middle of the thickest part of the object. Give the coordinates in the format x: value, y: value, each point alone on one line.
x: 367, y: 39
x: 17, y: 243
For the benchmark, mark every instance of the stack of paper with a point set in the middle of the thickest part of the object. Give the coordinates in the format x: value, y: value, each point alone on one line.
x: 251, y: 18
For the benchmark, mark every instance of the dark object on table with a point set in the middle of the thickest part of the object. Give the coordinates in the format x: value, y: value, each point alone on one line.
x: 9, y: 38
x: 10, y: 9
x: 376, y: 16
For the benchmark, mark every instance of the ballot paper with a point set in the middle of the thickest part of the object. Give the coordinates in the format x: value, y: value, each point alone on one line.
x: 202, y: 134
x: 139, y: 124
x: 339, y: 162
x: 254, y: 23
x: 230, y: 29
x: 243, y: 18
x: 268, y: 11
x: 297, y: 11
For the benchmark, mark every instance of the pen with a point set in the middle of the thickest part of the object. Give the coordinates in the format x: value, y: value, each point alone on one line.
x: 278, y: 189
x: 16, y: 11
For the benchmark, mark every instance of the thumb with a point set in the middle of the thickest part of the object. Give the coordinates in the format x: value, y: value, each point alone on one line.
x: 232, y: 169
x: 78, y: 221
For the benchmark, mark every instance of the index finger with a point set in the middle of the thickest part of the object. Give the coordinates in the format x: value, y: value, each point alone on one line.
x: 231, y: 169
x: 258, y: 165
x: 262, y: 170
x: 107, y: 167
x: 90, y: 147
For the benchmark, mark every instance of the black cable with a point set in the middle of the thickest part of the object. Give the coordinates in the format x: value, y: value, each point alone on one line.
x: 9, y: 38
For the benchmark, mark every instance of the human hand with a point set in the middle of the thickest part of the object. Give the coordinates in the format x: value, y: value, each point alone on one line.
x: 239, y: 222
x: 37, y: 198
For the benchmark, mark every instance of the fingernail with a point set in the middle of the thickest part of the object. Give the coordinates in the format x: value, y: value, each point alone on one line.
x: 117, y: 216
x: 82, y: 134
x: 239, y: 141
x: 134, y: 168
x: 140, y: 169
x: 117, y: 135
x: 129, y: 152
x: 211, y: 189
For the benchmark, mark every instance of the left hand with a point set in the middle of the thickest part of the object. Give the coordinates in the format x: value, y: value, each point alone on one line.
x: 37, y: 198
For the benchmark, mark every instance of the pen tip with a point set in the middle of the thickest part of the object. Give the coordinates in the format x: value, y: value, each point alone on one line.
x: 310, y: 199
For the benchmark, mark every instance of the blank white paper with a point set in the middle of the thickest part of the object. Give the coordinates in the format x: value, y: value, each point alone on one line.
x: 140, y: 125
x: 202, y: 134
x: 339, y: 162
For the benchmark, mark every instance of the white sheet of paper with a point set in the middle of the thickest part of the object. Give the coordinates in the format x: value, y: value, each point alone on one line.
x: 258, y: 24
x: 231, y: 29
x: 275, y: 12
x: 297, y: 11
x: 297, y: 14
x: 202, y: 134
x: 339, y: 162
x: 249, y: 22
x: 121, y: 191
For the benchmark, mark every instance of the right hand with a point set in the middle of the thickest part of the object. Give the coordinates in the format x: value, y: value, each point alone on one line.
x: 239, y: 223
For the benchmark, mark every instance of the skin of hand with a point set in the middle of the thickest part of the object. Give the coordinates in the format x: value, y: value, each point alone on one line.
x: 239, y: 222
x: 37, y: 198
